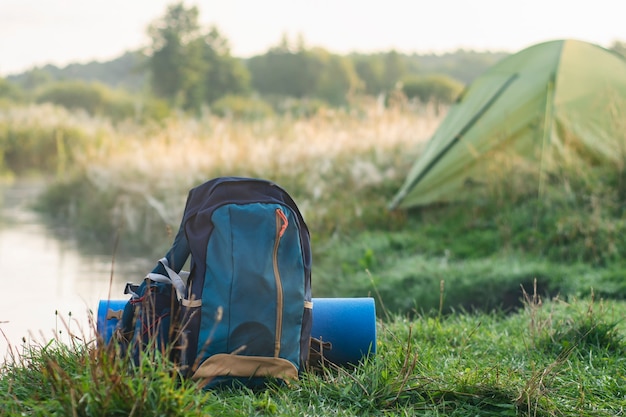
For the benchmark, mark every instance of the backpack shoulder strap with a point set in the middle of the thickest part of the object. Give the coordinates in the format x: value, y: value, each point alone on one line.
x: 171, y: 278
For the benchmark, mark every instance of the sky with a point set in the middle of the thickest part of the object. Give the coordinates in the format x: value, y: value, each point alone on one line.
x: 60, y: 32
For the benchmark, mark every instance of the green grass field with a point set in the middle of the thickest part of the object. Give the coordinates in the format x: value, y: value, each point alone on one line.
x: 550, y: 358
x: 506, y: 305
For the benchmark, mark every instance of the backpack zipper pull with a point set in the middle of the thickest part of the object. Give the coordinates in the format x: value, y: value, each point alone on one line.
x: 280, y: 213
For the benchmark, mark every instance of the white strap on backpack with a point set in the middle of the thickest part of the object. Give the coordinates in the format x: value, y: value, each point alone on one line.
x: 172, y: 278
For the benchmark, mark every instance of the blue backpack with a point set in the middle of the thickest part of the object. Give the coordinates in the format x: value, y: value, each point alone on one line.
x: 244, y: 312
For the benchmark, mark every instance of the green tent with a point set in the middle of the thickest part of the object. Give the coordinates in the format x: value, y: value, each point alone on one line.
x: 554, y: 96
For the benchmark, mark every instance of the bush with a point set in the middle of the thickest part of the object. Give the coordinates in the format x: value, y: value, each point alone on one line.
x: 9, y: 91
x: 294, y: 107
x: 99, y: 100
x: 100, y: 214
x: 438, y: 89
x: 153, y: 109
x: 241, y: 107
x: 27, y: 148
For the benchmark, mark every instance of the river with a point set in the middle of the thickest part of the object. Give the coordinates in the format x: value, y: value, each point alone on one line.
x: 48, y: 286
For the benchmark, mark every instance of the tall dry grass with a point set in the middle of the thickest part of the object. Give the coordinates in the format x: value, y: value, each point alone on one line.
x: 313, y: 157
x: 138, y: 176
x: 191, y: 148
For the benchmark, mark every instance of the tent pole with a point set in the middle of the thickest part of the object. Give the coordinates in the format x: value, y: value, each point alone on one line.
x: 455, y: 140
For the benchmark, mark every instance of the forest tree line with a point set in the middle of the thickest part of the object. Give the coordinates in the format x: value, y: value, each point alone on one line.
x: 190, y: 67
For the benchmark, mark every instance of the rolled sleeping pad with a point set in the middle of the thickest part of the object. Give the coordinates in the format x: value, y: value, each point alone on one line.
x: 109, y: 315
x: 348, y: 324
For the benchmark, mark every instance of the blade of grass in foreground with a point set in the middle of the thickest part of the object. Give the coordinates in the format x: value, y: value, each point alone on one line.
x: 548, y: 359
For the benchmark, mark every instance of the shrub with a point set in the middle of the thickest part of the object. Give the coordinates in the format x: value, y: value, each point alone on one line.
x: 438, y: 89
x: 9, y: 91
x: 241, y: 107
x: 99, y: 100
x: 40, y: 138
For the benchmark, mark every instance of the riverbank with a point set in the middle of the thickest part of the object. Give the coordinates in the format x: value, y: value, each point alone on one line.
x: 508, y: 304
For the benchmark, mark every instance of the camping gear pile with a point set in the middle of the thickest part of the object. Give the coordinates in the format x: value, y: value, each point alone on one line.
x: 243, y: 312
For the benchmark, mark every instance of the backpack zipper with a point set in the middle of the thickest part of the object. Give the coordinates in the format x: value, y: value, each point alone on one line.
x: 281, y: 226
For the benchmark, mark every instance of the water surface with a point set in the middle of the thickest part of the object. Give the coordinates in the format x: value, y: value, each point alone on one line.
x: 48, y: 286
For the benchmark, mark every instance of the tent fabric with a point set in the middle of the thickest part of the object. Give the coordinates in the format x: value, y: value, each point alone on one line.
x: 552, y: 96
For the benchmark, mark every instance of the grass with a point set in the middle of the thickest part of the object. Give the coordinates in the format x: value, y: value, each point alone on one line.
x: 550, y: 358
x: 510, y: 305
x: 130, y: 185
x: 135, y: 180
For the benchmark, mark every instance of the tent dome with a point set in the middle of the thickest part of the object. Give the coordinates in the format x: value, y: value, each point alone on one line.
x: 557, y: 95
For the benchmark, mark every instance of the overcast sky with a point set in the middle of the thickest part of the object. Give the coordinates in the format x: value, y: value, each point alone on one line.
x: 38, y: 32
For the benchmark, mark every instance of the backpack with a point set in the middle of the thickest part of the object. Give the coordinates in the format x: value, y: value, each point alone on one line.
x: 244, y: 312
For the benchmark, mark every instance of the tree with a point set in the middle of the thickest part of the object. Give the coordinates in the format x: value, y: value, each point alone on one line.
x: 225, y: 75
x: 301, y: 73
x: 395, y: 69
x: 619, y: 47
x: 188, y: 66
x: 337, y: 80
x: 371, y: 70
x: 286, y: 71
x: 174, y: 62
x: 380, y: 73
x: 9, y: 90
x: 34, y: 79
